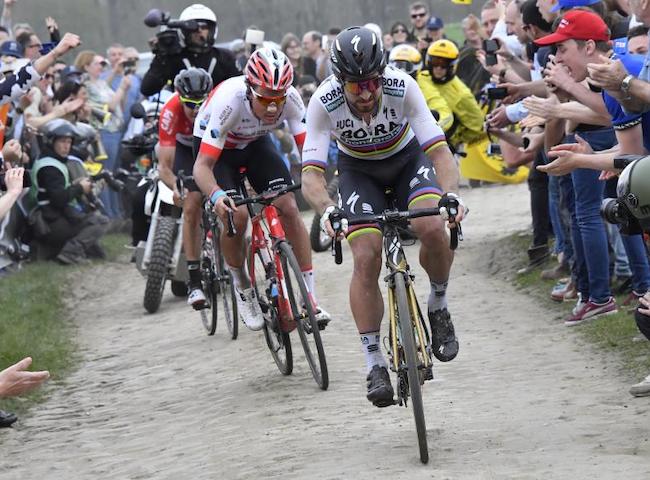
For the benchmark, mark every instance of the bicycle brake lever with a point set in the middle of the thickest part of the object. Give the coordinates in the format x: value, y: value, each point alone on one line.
x: 337, y: 252
x: 231, y: 225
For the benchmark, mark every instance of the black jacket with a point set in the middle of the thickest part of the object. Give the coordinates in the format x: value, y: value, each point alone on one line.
x: 164, y: 68
x: 52, y: 181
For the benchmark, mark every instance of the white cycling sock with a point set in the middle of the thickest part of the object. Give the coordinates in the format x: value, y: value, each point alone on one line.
x: 437, y: 297
x: 240, y: 278
x: 371, y: 345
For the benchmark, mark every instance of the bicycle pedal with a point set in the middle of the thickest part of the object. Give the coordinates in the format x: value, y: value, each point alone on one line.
x: 201, y: 306
x: 385, y: 403
x: 322, y: 324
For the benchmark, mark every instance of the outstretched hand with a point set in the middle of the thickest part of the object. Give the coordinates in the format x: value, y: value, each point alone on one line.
x: 16, y: 380
x: 566, y: 157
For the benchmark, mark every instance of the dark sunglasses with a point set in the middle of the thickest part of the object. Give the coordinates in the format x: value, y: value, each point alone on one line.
x: 398, y: 30
x: 418, y: 15
x: 355, y: 88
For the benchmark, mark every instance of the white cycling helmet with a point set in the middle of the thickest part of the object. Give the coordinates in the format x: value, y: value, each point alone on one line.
x: 200, y: 12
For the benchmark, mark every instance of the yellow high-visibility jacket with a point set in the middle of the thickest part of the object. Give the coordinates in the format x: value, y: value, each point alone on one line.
x: 468, y: 117
x: 437, y: 103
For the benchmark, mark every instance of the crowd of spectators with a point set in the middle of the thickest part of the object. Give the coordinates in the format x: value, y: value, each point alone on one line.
x: 559, y: 109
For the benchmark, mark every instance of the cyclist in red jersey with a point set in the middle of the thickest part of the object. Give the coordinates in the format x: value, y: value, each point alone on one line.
x: 175, y: 154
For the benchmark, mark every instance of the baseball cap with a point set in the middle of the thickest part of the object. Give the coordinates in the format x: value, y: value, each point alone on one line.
x: 70, y: 72
x: 577, y: 25
x: 11, y: 48
x: 572, y: 4
x: 434, y: 23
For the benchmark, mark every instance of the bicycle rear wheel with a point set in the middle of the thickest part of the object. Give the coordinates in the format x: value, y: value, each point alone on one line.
x: 304, y: 315
x: 405, y: 322
x: 264, y: 279
x: 224, y: 286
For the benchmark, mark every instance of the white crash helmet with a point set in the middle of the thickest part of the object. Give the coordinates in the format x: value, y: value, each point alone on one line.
x: 198, y: 11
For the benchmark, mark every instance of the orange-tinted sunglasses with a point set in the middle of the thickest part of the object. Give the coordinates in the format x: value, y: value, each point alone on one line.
x: 267, y: 101
x: 355, y: 88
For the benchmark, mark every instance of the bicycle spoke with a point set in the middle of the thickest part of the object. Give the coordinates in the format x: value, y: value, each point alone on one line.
x: 264, y: 281
x: 304, y: 315
x: 223, y: 284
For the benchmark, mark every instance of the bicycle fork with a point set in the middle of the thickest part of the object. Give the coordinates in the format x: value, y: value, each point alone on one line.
x: 395, y: 353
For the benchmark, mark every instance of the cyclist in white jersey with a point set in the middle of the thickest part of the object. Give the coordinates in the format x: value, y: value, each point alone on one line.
x: 387, y: 137
x: 233, y: 128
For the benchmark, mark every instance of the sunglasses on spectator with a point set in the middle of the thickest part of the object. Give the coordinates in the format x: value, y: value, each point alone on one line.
x: 355, y: 88
x: 418, y: 15
x: 398, y: 30
x: 203, y: 25
x: 35, y: 45
x: 267, y: 101
x: 191, y: 102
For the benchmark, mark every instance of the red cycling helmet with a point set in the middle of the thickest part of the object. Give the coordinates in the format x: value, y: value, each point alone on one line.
x: 269, y: 68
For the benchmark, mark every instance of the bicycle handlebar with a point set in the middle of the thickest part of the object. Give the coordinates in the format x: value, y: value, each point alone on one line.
x: 264, y: 198
x: 388, y: 217
x: 267, y: 196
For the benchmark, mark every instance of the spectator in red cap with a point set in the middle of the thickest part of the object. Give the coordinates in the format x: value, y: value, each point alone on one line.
x: 581, y: 37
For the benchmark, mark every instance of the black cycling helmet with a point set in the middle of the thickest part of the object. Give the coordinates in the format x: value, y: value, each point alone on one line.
x: 357, y: 54
x: 59, y: 128
x: 193, y: 83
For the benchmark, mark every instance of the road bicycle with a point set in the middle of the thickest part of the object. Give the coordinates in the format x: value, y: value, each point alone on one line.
x: 409, y: 341
x: 279, y: 285
x: 216, y: 278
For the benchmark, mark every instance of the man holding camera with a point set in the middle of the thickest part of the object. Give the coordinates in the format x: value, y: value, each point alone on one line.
x: 189, y: 45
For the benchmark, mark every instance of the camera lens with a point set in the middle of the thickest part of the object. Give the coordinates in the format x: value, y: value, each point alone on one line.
x: 611, y: 211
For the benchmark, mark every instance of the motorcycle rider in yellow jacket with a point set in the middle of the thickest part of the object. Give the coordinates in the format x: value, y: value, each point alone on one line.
x: 440, y: 77
x: 408, y: 59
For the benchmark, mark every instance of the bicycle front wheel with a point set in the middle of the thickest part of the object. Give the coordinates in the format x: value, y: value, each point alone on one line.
x: 407, y: 337
x: 264, y: 280
x: 208, y: 274
x: 224, y: 286
x: 304, y: 315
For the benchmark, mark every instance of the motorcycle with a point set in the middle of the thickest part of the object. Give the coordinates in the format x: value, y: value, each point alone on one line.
x: 160, y: 257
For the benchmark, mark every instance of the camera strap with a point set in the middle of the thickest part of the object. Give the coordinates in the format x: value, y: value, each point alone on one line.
x: 213, y: 63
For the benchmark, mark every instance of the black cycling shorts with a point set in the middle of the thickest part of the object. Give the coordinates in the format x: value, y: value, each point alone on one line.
x: 265, y: 168
x: 363, y: 183
x: 184, y: 160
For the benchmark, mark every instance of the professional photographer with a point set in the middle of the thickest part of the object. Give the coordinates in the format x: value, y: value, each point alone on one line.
x: 187, y: 42
x: 631, y: 210
x: 70, y: 232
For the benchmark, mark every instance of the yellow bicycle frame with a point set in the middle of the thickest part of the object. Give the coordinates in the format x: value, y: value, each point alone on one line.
x: 415, y: 320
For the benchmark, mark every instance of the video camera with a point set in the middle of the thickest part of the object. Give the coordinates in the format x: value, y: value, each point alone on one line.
x: 169, y: 41
x: 631, y: 208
